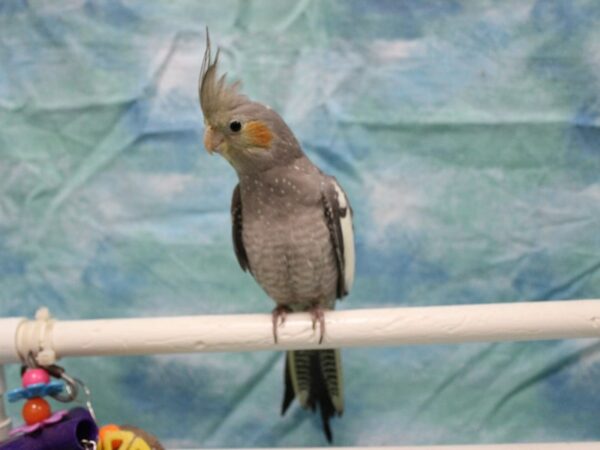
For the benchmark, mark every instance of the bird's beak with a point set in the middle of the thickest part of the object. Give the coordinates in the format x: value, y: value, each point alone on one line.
x: 212, y: 139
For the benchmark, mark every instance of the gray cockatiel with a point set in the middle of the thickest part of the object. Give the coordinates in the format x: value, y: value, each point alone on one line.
x: 291, y: 226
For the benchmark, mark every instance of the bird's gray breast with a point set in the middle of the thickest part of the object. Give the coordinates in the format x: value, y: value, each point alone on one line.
x: 287, y: 240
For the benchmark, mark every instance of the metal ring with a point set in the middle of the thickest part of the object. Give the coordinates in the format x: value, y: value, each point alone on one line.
x: 71, y: 388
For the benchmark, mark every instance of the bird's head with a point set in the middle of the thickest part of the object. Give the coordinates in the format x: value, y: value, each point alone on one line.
x: 251, y: 136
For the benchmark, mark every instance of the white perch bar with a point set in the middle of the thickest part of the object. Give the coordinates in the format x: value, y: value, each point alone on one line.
x: 534, y: 446
x: 353, y: 328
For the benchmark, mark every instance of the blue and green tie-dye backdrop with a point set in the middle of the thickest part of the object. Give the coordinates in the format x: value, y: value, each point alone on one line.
x: 466, y: 134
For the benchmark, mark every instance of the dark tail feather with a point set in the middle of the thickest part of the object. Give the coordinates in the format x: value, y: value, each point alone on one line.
x: 288, y: 395
x: 320, y: 395
x: 314, y: 377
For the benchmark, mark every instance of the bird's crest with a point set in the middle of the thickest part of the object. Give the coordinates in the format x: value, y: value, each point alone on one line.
x: 216, y: 95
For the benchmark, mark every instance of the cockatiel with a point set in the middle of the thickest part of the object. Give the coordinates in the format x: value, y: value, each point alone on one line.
x: 291, y: 226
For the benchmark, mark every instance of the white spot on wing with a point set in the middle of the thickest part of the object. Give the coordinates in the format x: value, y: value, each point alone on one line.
x: 348, y: 236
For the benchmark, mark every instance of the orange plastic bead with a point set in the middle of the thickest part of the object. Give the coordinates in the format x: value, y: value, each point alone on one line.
x: 107, y: 429
x: 36, y: 410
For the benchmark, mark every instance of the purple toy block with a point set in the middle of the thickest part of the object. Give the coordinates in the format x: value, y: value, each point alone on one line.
x: 64, y: 435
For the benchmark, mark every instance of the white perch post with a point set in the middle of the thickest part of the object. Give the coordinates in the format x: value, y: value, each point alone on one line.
x: 8, y: 338
x: 5, y: 422
x: 353, y: 328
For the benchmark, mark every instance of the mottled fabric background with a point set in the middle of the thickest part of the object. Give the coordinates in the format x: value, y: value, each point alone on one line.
x: 465, y: 133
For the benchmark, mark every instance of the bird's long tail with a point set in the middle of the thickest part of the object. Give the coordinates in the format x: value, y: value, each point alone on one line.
x: 314, y: 377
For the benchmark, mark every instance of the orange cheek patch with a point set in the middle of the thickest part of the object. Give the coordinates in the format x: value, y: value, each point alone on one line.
x: 258, y: 134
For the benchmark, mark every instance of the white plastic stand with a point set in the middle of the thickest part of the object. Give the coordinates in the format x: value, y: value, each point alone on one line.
x: 47, y: 339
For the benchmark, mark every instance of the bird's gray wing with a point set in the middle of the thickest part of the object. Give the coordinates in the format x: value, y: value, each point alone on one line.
x: 236, y: 229
x: 338, y: 215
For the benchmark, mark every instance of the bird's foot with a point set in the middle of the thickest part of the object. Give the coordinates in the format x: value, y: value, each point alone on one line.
x: 279, y: 314
x: 317, y: 314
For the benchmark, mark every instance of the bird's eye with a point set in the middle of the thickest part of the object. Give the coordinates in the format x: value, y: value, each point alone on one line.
x: 235, y: 126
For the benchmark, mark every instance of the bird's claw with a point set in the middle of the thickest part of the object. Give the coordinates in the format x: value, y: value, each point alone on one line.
x: 318, y: 315
x: 279, y: 313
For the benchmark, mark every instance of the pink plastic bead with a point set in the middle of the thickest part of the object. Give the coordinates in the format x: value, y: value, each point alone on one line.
x: 35, y: 376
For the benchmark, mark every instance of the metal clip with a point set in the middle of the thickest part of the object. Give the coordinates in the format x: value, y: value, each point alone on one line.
x: 73, y: 384
x: 88, y: 445
x: 72, y: 389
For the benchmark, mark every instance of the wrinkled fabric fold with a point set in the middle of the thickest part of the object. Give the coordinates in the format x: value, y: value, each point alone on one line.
x: 466, y: 135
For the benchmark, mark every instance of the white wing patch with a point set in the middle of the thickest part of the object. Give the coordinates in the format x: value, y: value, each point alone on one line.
x: 348, y: 236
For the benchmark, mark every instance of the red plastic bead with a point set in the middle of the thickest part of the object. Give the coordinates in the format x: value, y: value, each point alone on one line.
x: 36, y: 410
x: 35, y: 376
